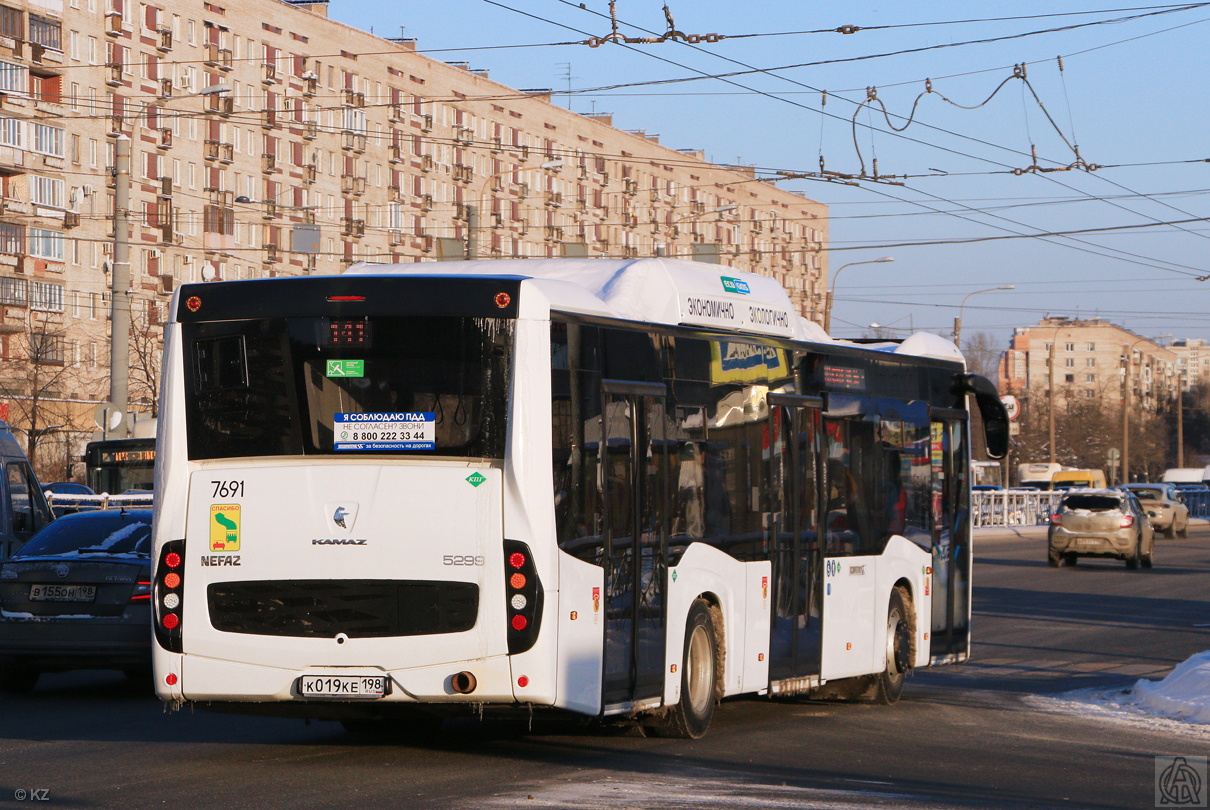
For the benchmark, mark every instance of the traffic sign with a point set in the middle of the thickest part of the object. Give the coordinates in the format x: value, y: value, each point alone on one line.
x: 1012, y: 405
x: 107, y: 416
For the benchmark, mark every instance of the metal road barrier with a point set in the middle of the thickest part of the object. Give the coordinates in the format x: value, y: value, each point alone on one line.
x: 1014, y: 507
x: 1027, y: 507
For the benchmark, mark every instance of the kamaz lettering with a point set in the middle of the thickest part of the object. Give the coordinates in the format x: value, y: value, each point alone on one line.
x: 337, y: 541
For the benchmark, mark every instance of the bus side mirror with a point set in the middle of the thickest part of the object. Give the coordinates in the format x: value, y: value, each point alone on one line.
x: 995, y: 415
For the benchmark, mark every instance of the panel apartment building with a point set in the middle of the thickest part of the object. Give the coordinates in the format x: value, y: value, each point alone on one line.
x: 1089, y: 356
x: 270, y: 140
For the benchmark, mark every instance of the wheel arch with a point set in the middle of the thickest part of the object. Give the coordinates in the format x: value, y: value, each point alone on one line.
x: 904, y: 585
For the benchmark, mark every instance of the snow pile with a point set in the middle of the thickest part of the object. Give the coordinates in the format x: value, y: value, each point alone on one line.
x: 1183, y: 695
x: 1179, y: 703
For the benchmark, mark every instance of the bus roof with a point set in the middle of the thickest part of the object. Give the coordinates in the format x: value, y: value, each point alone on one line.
x: 663, y: 291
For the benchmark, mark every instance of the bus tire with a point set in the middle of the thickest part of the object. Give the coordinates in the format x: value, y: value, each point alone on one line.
x: 888, y: 685
x: 701, y: 677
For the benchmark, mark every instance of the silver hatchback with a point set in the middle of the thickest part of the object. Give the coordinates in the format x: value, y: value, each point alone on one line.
x: 1101, y: 523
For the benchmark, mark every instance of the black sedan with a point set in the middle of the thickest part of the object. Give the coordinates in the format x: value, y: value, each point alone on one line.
x: 78, y: 596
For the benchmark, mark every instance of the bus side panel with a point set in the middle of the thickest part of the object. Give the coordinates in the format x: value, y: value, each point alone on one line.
x: 581, y: 635
x: 904, y: 560
x: 849, y: 612
x: 719, y: 577
x: 171, y: 490
x: 756, y: 628
x: 528, y: 504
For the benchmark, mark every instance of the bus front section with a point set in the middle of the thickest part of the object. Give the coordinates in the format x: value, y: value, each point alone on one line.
x: 329, y: 532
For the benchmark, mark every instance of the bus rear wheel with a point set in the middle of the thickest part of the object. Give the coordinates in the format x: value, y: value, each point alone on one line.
x: 701, y: 677
x: 889, y: 684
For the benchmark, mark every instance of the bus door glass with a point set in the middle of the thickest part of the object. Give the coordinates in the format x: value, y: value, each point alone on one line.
x: 635, y: 473
x: 950, y: 461
x: 793, y: 452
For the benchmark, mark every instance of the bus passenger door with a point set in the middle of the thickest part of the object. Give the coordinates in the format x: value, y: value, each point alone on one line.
x: 950, y: 459
x: 636, y: 495
x: 797, y: 616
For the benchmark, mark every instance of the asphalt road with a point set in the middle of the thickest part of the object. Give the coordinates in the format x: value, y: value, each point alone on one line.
x: 971, y: 736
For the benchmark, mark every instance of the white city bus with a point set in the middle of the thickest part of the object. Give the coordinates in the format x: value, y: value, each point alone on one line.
x: 611, y: 487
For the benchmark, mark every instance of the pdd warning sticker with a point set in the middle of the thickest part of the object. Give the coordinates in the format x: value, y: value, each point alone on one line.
x: 224, y: 527
x: 385, y: 431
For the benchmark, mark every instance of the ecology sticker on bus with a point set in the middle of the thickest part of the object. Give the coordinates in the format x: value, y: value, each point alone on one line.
x: 735, y: 285
x: 405, y: 430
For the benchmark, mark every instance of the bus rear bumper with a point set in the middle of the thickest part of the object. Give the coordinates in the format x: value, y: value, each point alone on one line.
x: 209, y: 680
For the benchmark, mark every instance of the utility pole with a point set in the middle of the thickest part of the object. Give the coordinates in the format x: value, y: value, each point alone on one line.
x: 119, y: 290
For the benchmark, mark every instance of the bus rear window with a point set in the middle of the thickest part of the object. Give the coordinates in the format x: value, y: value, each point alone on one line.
x: 424, y: 385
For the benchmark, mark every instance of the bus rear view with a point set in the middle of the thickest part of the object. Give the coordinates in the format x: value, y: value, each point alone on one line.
x: 329, y: 524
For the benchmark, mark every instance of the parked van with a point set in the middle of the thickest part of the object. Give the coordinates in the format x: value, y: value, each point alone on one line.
x: 23, y: 509
x: 1184, y: 475
x: 1070, y: 479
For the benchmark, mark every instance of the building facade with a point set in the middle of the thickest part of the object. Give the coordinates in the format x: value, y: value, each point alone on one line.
x: 1090, y: 358
x: 1192, y: 361
x: 269, y: 140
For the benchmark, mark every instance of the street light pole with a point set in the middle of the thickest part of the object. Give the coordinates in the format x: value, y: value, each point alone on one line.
x: 827, y: 313
x: 1126, y: 405
x: 473, y: 212
x: 119, y: 290
x: 962, y: 306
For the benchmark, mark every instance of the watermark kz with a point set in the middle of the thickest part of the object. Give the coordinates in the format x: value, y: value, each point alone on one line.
x: 32, y: 794
x: 1180, y: 782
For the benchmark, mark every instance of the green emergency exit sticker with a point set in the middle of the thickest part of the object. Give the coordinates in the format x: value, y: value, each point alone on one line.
x: 346, y: 368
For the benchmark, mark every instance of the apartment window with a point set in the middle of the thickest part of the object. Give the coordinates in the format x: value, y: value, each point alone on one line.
x: 1090, y: 394
x: 12, y: 239
x: 47, y: 348
x: 11, y: 23
x: 45, y: 297
x: 48, y: 140
x: 44, y: 32
x: 1069, y: 362
x: 47, y: 245
x: 1090, y: 378
x: 1070, y: 347
x: 1090, y: 362
x: 14, y: 78
x: 1092, y: 347
x: 1069, y: 378
x: 11, y: 132
x: 46, y: 191
x: 13, y: 291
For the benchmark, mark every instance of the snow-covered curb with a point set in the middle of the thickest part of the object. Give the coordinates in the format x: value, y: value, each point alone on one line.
x: 1180, y: 702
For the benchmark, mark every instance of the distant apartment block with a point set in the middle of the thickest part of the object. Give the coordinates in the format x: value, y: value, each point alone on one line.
x: 330, y: 146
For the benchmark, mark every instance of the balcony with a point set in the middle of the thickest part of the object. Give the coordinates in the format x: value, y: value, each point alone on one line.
x: 217, y: 150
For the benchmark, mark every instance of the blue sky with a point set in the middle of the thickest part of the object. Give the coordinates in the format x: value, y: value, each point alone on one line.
x: 1131, y: 95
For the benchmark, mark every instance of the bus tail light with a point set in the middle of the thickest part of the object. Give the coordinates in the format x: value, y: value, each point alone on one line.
x: 168, y: 582
x: 524, y: 594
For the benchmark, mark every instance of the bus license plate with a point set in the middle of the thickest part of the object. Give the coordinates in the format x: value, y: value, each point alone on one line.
x: 342, y: 686
x: 62, y: 593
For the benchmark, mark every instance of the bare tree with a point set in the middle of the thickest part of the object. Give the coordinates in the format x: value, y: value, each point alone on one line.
x: 42, y: 381
x: 146, y: 354
x: 982, y: 354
